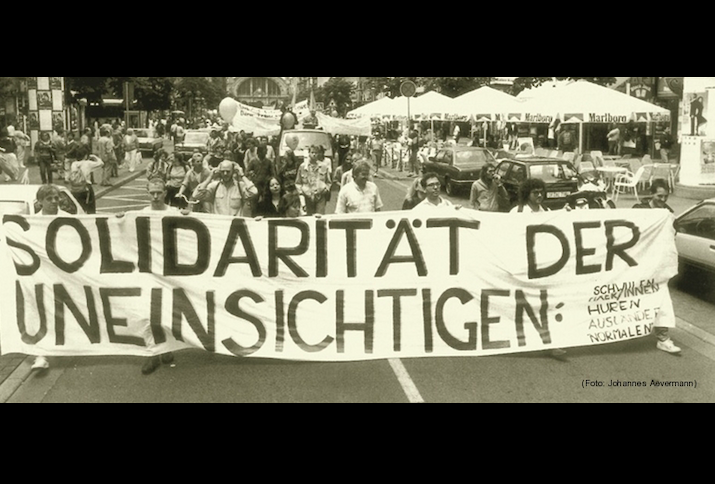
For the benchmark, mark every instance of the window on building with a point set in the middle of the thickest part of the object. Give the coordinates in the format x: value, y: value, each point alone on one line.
x: 259, y: 86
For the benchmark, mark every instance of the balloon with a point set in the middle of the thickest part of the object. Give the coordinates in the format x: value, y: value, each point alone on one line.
x: 228, y: 109
x: 292, y: 141
x: 288, y: 121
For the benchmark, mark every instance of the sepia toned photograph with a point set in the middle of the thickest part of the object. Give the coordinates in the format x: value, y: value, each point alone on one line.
x: 402, y: 240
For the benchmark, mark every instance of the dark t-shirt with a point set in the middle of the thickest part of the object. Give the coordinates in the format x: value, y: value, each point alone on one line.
x: 8, y: 144
x: 289, y: 171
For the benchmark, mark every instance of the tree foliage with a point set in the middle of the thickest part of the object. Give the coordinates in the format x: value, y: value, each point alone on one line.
x: 456, y: 86
x: 337, y: 89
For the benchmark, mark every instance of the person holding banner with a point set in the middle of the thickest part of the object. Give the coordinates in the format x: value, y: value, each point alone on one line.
x: 228, y: 191
x: 48, y: 197
x: 660, y: 192
x: 531, y: 197
x: 433, y: 187
x: 156, y: 188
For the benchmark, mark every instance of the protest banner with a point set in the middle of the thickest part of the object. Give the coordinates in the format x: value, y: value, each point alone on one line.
x: 341, y: 288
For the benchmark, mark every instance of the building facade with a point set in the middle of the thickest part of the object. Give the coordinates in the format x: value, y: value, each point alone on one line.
x: 259, y: 91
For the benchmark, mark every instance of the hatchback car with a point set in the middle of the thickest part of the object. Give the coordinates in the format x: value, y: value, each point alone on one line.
x: 21, y: 200
x: 458, y: 167
x: 559, y: 175
x: 148, y: 140
x: 695, y: 237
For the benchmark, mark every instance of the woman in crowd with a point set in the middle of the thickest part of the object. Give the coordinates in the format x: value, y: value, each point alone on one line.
x: 175, y: 176
x: 159, y: 167
x: 251, y: 153
x: 272, y: 202
x: 532, y: 194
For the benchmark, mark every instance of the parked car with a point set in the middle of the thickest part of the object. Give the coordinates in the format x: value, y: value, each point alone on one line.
x: 195, y: 140
x: 21, y: 200
x: 458, y: 167
x: 695, y: 236
x: 306, y: 139
x: 559, y: 175
x: 148, y: 140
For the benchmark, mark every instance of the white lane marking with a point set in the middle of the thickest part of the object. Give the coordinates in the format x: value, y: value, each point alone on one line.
x: 408, y: 386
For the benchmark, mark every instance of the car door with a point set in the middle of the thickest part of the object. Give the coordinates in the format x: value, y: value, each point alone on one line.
x: 695, y: 237
x: 512, y: 175
x: 447, y: 169
x: 437, y: 165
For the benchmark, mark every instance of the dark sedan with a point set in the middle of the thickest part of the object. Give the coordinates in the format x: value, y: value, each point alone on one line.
x: 458, y: 167
x: 559, y: 175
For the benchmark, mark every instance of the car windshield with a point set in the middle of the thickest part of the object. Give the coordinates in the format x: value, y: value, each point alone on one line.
x: 196, y: 138
x: 473, y: 157
x: 552, y: 172
x: 9, y: 207
x: 306, y: 140
x: 143, y: 133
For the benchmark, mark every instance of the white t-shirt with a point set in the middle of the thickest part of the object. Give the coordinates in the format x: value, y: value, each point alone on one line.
x: 527, y: 209
x: 169, y: 209
x: 426, y: 205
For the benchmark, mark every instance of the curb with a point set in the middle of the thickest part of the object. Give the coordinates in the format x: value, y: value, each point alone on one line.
x: 105, y: 190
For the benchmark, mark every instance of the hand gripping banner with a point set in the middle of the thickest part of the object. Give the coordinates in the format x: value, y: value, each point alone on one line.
x: 342, y: 288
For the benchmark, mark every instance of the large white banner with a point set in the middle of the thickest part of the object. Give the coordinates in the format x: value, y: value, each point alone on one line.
x: 341, y: 288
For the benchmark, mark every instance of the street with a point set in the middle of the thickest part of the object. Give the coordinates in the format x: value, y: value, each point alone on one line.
x: 585, y: 376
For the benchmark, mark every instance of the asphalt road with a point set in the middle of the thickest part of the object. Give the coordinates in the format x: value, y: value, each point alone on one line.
x: 197, y: 376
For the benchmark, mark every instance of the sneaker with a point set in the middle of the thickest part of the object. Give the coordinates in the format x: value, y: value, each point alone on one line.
x: 558, y: 354
x: 151, y: 365
x: 41, y: 363
x: 167, y: 358
x: 669, y: 347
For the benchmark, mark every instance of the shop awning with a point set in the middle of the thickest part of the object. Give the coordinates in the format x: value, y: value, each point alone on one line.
x: 434, y: 106
x: 486, y: 104
x: 585, y: 102
x: 375, y: 109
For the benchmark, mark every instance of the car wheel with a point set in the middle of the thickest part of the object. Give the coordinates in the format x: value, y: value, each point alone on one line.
x: 450, y: 188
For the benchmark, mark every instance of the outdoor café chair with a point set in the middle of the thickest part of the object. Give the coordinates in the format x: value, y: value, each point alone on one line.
x: 662, y: 171
x: 628, y: 181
